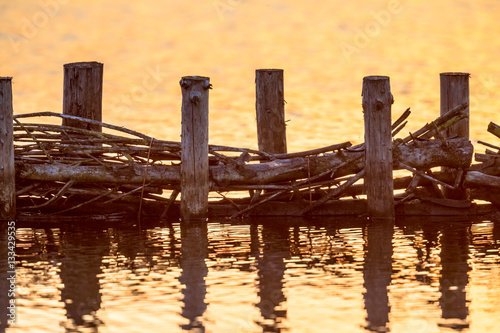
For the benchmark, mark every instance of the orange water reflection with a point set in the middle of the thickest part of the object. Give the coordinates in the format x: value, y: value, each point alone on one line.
x: 261, y: 276
x: 147, y: 46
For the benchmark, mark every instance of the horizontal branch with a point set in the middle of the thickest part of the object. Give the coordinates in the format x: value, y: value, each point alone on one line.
x: 430, y: 154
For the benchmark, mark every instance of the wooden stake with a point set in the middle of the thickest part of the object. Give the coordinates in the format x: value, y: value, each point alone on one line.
x: 270, y: 107
x: 377, y: 101
x: 7, y: 170
x: 455, y: 91
x: 83, y: 93
x: 194, y: 145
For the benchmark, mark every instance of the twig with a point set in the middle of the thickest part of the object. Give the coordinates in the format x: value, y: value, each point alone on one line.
x: 317, y: 151
x: 84, y: 120
x: 439, y: 122
x: 231, y: 202
x: 88, y: 202
x: 334, y: 193
x: 87, y: 154
x: 126, y: 193
x: 144, y: 183
x: 423, y: 175
x: 400, y: 120
x: 35, y: 140
x: 252, y: 206
x: 397, y: 130
x: 309, y: 183
x: 171, y: 200
x: 489, y: 145
x: 55, y: 197
x: 439, y: 136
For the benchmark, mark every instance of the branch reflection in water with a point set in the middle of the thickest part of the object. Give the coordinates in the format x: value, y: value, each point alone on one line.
x: 265, y: 275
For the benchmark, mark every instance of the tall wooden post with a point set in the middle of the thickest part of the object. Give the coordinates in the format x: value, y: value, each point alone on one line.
x: 377, y: 101
x: 194, y: 144
x: 7, y: 170
x: 270, y: 107
x: 455, y: 91
x: 83, y: 93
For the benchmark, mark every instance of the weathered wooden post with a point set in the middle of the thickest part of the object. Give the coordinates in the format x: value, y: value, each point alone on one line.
x: 270, y: 107
x: 194, y: 145
x: 7, y: 170
x: 455, y: 91
x: 377, y: 101
x: 82, y: 95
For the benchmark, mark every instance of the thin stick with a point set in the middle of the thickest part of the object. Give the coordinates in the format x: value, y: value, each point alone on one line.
x: 334, y: 193
x: 35, y: 140
x: 250, y: 207
x: 127, y: 193
x: 397, y: 130
x: 489, y: 145
x: 87, y: 154
x: 439, y: 136
x: 439, y: 121
x: 231, y: 202
x: 144, y: 184
x: 171, y: 200
x: 317, y: 151
x: 89, y: 121
x: 423, y: 175
x: 309, y: 177
x: 55, y: 197
x: 402, y: 118
x: 88, y: 202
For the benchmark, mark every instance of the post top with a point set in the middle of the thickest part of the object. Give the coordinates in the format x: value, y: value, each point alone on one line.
x: 454, y: 74
x: 84, y: 64
x: 6, y: 78
x: 195, y: 78
x: 269, y: 70
x: 376, y: 77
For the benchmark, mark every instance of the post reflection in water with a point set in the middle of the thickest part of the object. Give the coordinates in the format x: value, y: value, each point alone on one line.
x: 454, y: 275
x: 496, y: 232
x: 271, y: 270
x: 337, y: 280
x: 377, y: 272
x: 194, y: 251
x: 81, y: 254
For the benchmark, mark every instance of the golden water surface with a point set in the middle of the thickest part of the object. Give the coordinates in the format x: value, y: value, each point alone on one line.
x: 325, y: 49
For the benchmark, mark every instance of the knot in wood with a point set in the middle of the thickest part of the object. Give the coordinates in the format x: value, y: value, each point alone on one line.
x: 207, y: 85
x: 184, y: 84
x: 195, y: 97
x: 379, y: 105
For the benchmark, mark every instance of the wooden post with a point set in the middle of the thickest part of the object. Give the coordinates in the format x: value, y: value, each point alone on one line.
x: 270, y: 107
x: 7, y: 170
x: 194, y: 144
x: 377, y: 101
x: 455, y: 91
x: 83, y: 93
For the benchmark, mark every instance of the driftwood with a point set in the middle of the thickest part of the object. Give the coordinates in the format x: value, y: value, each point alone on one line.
x: 61, y: 168
x: 429, y: 154
x: 480, y: 180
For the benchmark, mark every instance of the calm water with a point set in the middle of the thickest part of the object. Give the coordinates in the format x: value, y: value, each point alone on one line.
x: 324, y: 47
x: 274, y: 275
x: 254, y: 276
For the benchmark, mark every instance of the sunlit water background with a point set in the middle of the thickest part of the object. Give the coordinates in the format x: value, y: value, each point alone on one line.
x: 300, y: 276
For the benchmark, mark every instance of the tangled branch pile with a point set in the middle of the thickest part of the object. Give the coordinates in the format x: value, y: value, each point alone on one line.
x: 61, y: 168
